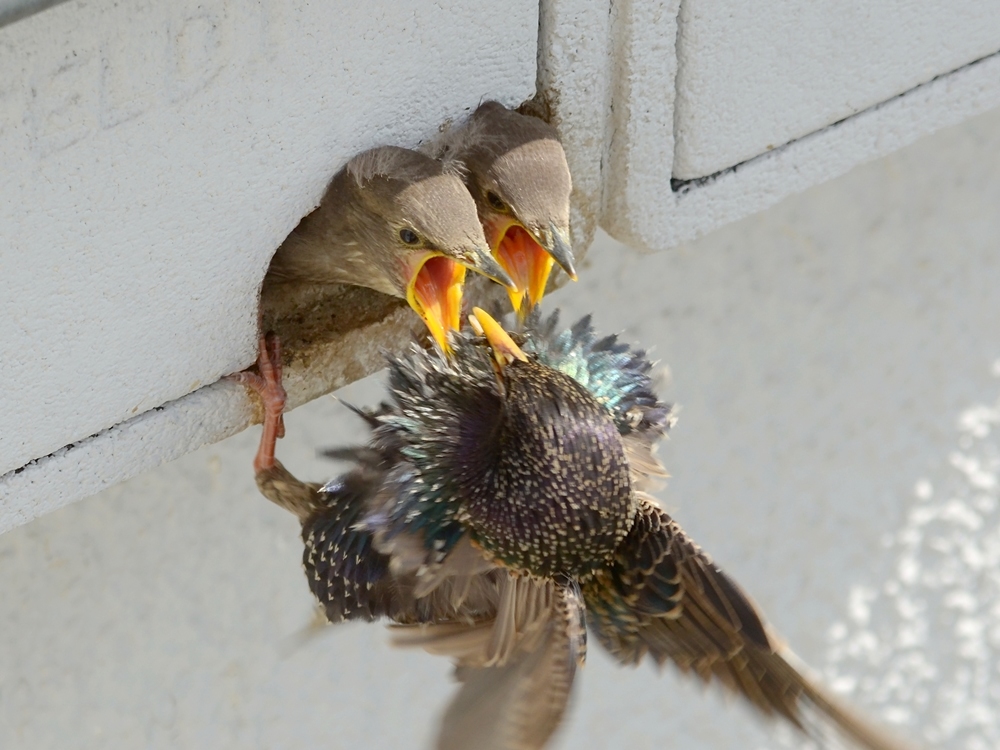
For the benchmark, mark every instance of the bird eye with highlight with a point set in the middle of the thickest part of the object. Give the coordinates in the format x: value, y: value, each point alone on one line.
x: 495, y: 201
x: 409, y: 236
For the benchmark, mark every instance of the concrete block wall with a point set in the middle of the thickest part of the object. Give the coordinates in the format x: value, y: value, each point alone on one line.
x: 157, y: 154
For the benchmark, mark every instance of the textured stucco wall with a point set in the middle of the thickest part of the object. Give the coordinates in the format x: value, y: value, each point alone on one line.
x: 836, y: 359
x: 153, y: 156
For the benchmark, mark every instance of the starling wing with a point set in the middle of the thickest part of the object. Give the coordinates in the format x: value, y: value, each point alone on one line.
x: 664, y: 597
x: 347, y: 572
x: 354, y: 579
x: 516, y: 669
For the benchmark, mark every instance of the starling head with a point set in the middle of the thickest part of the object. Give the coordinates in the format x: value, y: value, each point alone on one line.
x: 516, y: 171
x: 396, y: 221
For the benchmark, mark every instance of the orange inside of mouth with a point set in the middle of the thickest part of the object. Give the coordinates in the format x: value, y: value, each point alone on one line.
x: 527, y: 263
x: 437, y: 289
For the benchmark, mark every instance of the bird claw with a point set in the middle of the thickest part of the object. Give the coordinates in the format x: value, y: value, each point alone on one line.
x: 267, y: 385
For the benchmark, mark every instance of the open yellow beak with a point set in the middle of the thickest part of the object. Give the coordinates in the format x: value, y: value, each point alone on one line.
x: 529, y: 263
x: 504, y: 348
x: 435, y: 294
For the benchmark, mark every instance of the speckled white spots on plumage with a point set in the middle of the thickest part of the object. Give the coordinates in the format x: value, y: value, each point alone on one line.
x: 923, y: 649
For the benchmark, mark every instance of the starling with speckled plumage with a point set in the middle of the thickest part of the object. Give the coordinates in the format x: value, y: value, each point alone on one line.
x: 499, y: 513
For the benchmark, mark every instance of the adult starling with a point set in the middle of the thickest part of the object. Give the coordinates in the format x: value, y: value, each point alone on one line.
x: 516, y: 170
x: 500, y: 512
x: 396, y: 221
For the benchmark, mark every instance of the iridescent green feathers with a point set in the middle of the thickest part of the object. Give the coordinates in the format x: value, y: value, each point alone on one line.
x: 616, y: 375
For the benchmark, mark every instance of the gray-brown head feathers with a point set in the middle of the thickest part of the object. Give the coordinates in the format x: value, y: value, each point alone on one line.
x: 387, y: 209
x: 515, y: 168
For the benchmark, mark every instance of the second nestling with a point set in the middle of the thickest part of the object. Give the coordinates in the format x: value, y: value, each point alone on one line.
x: 516, y: 171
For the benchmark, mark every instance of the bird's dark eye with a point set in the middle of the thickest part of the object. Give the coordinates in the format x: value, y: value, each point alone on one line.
x: 408, y: 236
x: 495, y: 201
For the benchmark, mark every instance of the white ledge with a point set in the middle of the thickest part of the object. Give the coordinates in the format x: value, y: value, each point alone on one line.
x: 647, y: 212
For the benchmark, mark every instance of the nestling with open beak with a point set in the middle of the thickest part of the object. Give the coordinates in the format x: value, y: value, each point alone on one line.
x: 516, y: 170
x: 399, y: 222
x: 500, y: 513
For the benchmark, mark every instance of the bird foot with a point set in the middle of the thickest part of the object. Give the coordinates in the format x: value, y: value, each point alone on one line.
x: 266, y: 382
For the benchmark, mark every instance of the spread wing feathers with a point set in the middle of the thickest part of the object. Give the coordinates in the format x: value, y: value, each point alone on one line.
x: 464, y: 587
x: 354, y: 579
x: 516, y: 672
x: 345, y: 572
x: 664, y: 597
x: 361, y: 565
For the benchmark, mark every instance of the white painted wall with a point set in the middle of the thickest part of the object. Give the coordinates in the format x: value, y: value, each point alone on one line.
x: 153, y: 156
x: 753, y: 76
x: 835, y: 358
x: 644, y: 206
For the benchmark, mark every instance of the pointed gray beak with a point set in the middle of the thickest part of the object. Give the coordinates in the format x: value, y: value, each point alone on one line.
x: 558, y: 247
x: 483, y: 262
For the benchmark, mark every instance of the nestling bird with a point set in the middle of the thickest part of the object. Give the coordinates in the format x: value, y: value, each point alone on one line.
x: 516, y: 170
x: 396, y: 221
x: 499, y: 513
